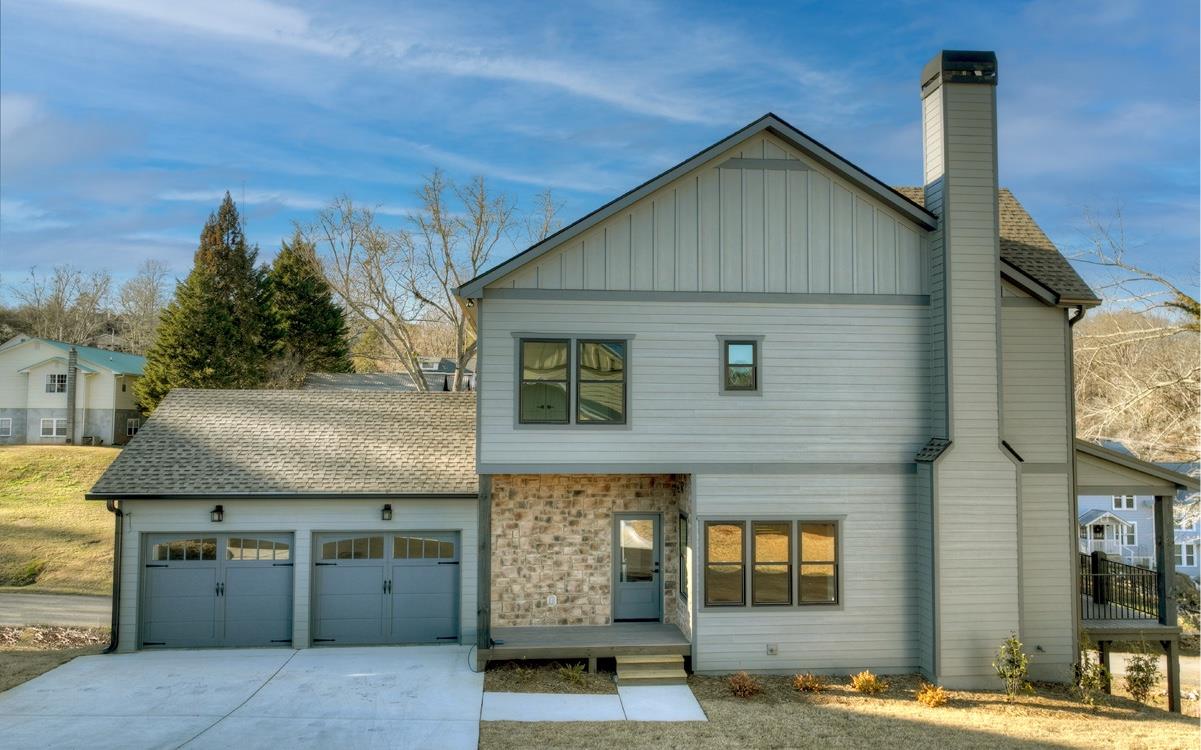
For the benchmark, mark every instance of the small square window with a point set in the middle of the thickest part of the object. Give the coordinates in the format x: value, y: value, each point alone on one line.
x: 545, y: 374
x: 741, y: 369
x: 6, y: 427
x: 56, y: 383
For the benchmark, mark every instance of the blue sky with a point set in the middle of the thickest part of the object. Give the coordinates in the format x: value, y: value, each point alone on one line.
x: 122, y: 122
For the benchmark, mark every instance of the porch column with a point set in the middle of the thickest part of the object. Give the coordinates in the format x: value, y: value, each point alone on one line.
x: 1171, y: 647
x: 484, y: 568
x: 1165, y: 564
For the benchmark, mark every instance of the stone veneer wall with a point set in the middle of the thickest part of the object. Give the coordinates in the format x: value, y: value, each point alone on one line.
x: 553, y: 534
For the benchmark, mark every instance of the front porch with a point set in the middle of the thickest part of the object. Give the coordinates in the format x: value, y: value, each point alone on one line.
x: 586, y: 641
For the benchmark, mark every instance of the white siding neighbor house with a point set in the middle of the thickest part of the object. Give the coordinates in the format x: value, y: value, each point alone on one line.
x: 53, y: 392
x: 762, y: 412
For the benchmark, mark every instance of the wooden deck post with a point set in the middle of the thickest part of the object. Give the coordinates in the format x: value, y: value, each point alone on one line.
x: 1165, y: 564
x: 1103, y: 657
x: 483, y: 624
x: 1171, y: 647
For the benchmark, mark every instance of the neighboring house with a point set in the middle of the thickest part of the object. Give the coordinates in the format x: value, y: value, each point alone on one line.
x: 39, y: 380
x: 762, y: 411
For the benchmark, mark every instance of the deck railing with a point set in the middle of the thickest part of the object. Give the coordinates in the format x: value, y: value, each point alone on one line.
x: 1116, y: 591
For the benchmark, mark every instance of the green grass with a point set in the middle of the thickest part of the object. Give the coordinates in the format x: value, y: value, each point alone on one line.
x: 51, y: 539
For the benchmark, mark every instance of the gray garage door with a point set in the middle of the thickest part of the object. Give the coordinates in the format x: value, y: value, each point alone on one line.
x: 215, y: 590
x: 386, y: 588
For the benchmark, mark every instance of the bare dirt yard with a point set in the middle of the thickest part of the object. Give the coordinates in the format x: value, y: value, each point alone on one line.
x: 26, y: 652
x: 51, y: 539
x: 839, y: 717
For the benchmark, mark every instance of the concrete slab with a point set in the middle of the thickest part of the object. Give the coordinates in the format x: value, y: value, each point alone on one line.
x: 414, y: 682
x: 551, y: 707
x: 660, y: 703
x: 238, y: 731
x: 100, y: 732
x: 148, y: 683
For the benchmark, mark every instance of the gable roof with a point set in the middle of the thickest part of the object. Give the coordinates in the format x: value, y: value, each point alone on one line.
x: 435, y: 381
x: 296, y: 444
x: 57, y: 358
x: 120, y: 363
x: 1096, y: 514
x: 769, y: 122
x: 1026, y: 249
x: 1128, y: 465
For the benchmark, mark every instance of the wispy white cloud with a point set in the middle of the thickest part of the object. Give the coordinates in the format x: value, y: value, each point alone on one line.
x: 281, y: 198
x: 21, y: 216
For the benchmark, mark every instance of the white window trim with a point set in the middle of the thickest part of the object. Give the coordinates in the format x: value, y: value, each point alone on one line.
x: 132, y: 423
x: 6, y: 427
x: 1186, y: 555
x: 53, y: 427
x: 52, y: 381
x: 1133, y: 528
x: 1119, y: 502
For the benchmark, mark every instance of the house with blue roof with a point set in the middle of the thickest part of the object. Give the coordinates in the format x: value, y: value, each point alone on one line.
x: 55, y: 392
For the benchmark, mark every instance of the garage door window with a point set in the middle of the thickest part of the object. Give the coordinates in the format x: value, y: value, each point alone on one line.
x: 354, y: 548
x: 256, y: 549
x: 415, y: 548
x: 185, y: 549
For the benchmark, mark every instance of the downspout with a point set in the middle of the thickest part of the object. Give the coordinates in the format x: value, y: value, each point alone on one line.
x: 1075, y: 498
x: 118, y: 533
x: 72, y: 380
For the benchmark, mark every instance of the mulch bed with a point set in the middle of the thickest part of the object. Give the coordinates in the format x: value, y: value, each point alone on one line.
x: 545, y: 677
x: 51, y: 638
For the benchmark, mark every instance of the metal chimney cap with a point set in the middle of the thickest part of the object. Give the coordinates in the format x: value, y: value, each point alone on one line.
x: 959, y: 66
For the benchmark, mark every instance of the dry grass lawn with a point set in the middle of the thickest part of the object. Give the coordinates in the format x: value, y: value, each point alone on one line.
x: 781, y: 717
x: 26, y: 653
x: 51, y: 539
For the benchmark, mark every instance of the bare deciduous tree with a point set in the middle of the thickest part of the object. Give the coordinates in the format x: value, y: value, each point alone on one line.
x: 402, y: 283
x: 140, y: 302
x: 67, y: 305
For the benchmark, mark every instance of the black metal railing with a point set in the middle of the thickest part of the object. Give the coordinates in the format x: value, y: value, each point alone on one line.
x: 1117, y: 591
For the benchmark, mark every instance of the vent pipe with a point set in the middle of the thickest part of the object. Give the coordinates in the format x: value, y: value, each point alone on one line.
x: 72, y: 379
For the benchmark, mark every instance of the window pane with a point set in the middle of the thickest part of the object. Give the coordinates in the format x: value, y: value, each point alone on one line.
x: 446, y: 550
x: 345, y: 552
x: 543, y: 402
x: 817, y: 542
x: 683, y: 542
x: 160, y: 552
x: 361, y: 549
x: 771, y: 584
x: 177, y: 549
x: 400, y: 548
x: 329, y: 551
x: 740, y: 354
x: 602, y: 360
x: 429, y: 548
x: 723, y: 542
x: 544, y: 360
x: 817, y: 583
x: 208, y: 549
x: 723, y: 584
x: 233, y: 549
x: 637, y: 546
x: 773, y: 541
x: 602, y: 402
x: 282, y: 551
x: 376, y: 548
x: 740, y: 376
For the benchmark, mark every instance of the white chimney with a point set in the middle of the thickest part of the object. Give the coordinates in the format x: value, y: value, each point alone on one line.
x: 974, y: 485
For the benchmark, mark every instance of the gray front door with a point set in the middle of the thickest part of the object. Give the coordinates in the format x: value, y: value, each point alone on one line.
x: 398, y: 587
x: 212, y: 590
x: 637, y: 553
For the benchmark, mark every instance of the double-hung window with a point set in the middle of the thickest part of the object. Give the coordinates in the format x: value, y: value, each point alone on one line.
x: 1186, y: 555
x: 590, y: 374
x: 1123, y: 502
x: 783, y: 562
x: 131, y: 426
x: 6, y: 427
x: 56, y: 383
x: 1130, y: 535
x: 740, y: 366
x: 54, y: 428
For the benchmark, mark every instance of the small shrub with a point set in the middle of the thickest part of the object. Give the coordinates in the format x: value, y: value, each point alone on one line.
x: 1091, y: 676
x: 932, y: 695
x: 19, y: 573
x: 1142, y: 674
x: 809, y: 683
x: 572, y: 673
x: 1012, y: 666
x: 744, y: 686
x: 868, y: 683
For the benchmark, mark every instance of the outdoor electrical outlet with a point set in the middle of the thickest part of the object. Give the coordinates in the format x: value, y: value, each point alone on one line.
x: 773, y: 649
x: 552, y: 600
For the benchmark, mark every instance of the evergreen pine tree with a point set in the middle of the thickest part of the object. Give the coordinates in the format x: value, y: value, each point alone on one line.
x: 310, y: 328
x: 216, y: 332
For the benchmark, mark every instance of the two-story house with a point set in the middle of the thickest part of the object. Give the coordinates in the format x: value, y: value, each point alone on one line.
x: 763, y: 412
x: 54, y: 392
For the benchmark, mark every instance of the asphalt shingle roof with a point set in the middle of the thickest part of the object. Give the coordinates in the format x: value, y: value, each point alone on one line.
x: 295, y: 442
x: 1026, y: 247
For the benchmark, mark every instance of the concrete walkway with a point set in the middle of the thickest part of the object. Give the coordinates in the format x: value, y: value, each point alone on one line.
x: 27, y: 608
x: 384, y: 697
x: 640, y: 703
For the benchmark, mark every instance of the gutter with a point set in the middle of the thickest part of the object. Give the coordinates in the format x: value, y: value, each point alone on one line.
x: 118, y: 532
x: 110, y: 496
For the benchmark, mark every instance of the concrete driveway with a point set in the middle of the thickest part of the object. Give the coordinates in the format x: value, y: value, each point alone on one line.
x: 385, y: 697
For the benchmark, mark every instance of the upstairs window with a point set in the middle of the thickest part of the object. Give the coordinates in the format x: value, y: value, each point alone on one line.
x: 544, y: 381
x: 131, y: 427
x: 1123, y: 502
x: 56, y: 383
x: 741, y: 369
x: 1186, y: 555
x: 601, y: 378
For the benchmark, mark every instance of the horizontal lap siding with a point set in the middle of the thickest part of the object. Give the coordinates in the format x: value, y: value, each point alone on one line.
x: 875, y: 626
x: 841, y: 383
x: 743, y: 230
x: 302, y: 518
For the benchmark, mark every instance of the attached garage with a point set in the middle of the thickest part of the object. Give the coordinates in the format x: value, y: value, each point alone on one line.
x: 212, y: 590
x: 297, y: 519
x: 386, y: 588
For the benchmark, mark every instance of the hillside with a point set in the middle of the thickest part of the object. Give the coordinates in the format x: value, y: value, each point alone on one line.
x: 51, y: 539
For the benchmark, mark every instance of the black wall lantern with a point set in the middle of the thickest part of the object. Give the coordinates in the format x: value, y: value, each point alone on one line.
x: 217, y: 514
x: 386, y: 513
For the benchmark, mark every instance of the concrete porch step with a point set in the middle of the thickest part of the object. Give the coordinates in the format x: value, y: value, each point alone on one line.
x: 651, y: 669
